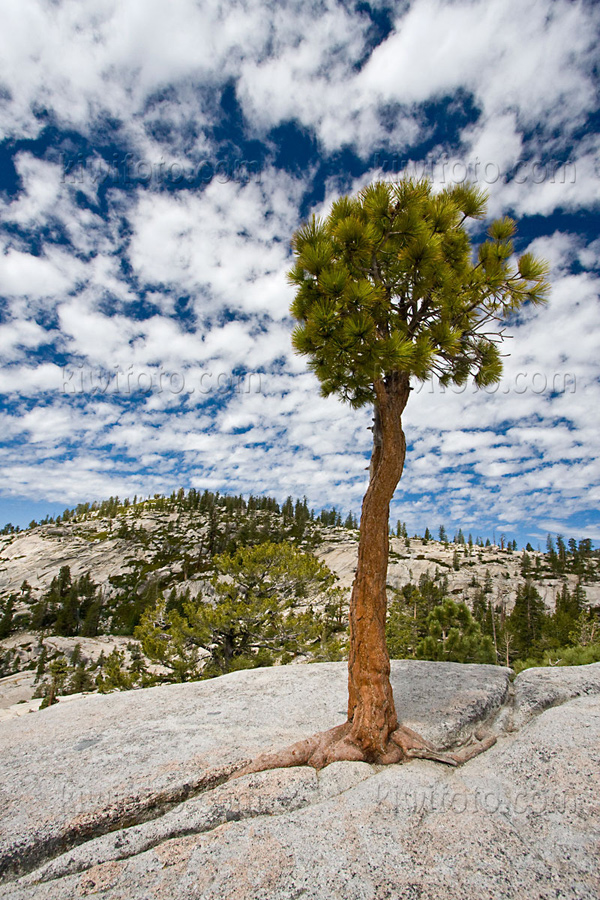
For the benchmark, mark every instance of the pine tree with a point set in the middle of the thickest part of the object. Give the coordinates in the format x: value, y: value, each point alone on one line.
x: 253, y: 620
x: 552, y: 554
x: 479, y: 606
x: 113, y: 674
x: 585, y: 548
x: 587, y: 629
x: 59, y: 670
x: 41, y: 663
x: 138, y: 667
x: 6, y: 619
x: 454, y: 636
x: 91, y: 624
x: 402, y: 628
x: 401, y: 531
x: 565, y: 616
x: 67, y: 618
x: 81, y: 679
x: 527, y: 619
x: 387, y: 290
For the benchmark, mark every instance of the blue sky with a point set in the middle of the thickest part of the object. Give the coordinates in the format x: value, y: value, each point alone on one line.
x: 155, y: 159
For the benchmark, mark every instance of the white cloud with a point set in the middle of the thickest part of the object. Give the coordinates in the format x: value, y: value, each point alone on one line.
x: 24, y: 275
x: 159, y: 69
x: 537, y: 58
x: 15, y: 337
x: 106, y: 57
x: 41, y: 188
x: 99, y: 339
x: 226, y: 245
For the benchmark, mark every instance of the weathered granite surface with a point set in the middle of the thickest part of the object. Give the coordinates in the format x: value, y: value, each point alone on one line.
x: 124, y: 796
x: 540, y: 689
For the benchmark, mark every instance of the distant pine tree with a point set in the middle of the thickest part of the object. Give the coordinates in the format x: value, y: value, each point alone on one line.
x: 454, y: 636
x: 6, y: 619
x: 527, y: 619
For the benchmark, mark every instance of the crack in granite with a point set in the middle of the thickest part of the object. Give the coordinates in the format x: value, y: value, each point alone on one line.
x: 105, y: 821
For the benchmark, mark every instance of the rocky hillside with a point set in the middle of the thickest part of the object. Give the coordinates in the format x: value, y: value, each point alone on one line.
x: 113, y: 562
x: 146, y: 548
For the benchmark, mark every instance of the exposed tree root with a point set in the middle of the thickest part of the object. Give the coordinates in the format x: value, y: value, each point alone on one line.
x: 474, y: 748
x: 336, y: 745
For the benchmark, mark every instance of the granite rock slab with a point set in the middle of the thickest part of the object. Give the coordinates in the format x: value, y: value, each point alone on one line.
x: 125, y: 795
x: 540, y: 688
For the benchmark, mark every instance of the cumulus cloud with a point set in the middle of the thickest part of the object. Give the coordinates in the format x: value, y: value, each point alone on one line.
x: 122, y: 305
x: 225, y: 244
x: 25, y: 275
x: 537, y: 58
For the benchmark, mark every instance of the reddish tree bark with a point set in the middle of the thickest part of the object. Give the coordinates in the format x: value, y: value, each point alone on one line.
x: 371, y: 707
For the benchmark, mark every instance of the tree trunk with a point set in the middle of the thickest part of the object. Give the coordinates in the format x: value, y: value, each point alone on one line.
x: 493, y: 615
x: 371, y: 709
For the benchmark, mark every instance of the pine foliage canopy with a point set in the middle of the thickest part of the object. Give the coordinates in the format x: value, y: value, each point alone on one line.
x: 389, y: 282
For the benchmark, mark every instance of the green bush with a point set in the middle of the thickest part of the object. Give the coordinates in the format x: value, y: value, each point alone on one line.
x: 563, y: 656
